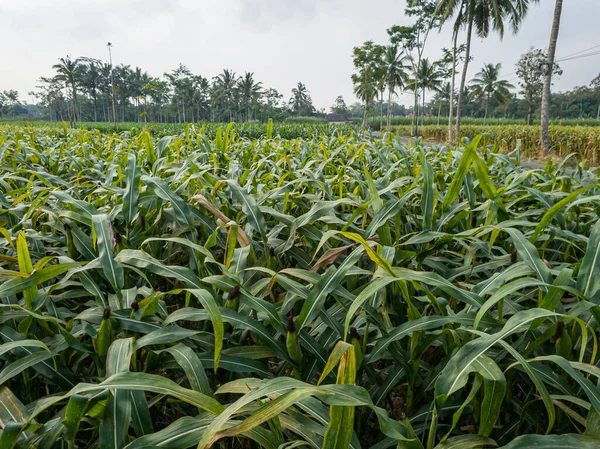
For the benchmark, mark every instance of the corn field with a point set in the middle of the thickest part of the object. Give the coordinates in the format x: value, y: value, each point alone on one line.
x: 584, y: 141
x: 192, y: 290
x: 245, y: 130
x: 432, y: 120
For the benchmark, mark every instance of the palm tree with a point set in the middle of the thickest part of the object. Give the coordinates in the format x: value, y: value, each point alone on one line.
x: 105, y: 87
x: 427, y: 77
x: 395, y: 74
x: 487, y: 86
x: 250, y: 92
x: 484, y: 15
x: 159, y: 95
x: 444, y: 93
x: 365, y: 90
x: 300, y: 102
x: 548, y: 69
x: 225, y: 85
x: 137, y: 80
x: 69, y: 71
x: 122, y: 76
x: 452, y: 57
x: 90, y: 82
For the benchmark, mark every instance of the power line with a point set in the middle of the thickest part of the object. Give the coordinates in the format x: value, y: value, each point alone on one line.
x: 579, y: 57
x: 569, y: 57
x: 576, y: 53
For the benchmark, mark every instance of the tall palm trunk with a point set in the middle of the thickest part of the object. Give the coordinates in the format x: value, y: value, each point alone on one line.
x: 363, y: 126
x: 529, y: 110
x: 598, y: 114
x: 548, y: 78
x: 416, y: 111
x: 381, y: 112
x: 389, y: 111
x: 439, y: 111
x: 75, y: 104
x: 423, y: 112
x: 451, y: 102
x: 463, y: 79
x: 487, y: 103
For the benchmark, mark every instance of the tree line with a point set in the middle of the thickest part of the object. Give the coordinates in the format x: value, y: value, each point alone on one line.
x: 401, y: 66
x: 86, y: 89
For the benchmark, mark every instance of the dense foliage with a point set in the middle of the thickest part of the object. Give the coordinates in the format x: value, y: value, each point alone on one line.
x: 584, y: 142
x: 182, y: 291
x: 243, y: 130
x: 87, y: 89
x: 378, y: 123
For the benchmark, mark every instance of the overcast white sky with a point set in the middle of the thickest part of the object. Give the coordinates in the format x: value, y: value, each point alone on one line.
x: 281, y: 41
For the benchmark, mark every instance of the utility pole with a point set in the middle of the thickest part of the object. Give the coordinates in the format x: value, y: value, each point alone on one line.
x: 112, y: 84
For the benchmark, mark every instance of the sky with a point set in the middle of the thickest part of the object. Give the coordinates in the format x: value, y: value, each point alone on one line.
x: 281, y: 41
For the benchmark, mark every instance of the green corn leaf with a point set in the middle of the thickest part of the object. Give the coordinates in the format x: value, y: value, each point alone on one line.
x: 494, y: 389
x: 341, y: 419
x: 19, y: 284
x: 250, y: 209
x: 466, y: 442
x: 553, y: 442
x: 142, y: 382
x: 73, y: 415
x: 588, y: 278
x: 328, y: 282
x: 462, y: 170
x: 555, y: 209
x: 110, y: 267
x: 132, y: 192
x: 140, y: 414
x: 11, y: 408
x: 455, y: 373
x: 160, y: 188
x: 25, y: 266
x: 192, y: 365
x: 427, y: 205
x: 530, y: 255
x: 211, y: 306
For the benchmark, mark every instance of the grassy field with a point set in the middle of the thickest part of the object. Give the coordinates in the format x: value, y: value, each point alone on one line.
x: 329, y: 292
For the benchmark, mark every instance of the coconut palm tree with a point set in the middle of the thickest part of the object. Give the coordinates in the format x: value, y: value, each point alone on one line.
x: 395, y: 65
x: 484, y: 16
x: 250, y: 92
x: 300, y: 101
x: 90, y: 82
x: 136, y: 80
x: 427, y: 77
x: 548, y: 69
x: 443, y: 94
x: 225, y: 85
x: 365, y: 90
x: 487, y: 86
x: 70, y: 71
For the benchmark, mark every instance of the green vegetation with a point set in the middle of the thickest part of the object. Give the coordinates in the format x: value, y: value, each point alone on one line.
x: 244, y: 130
x: 490, y: 94
x: 189, y: 291
x: 584, y: 142
x: 305, y: 120
x: 374, y: 122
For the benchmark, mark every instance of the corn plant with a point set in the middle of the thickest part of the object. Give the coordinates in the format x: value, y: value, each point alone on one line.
x: 197, y: 291
x: 582, y: 141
